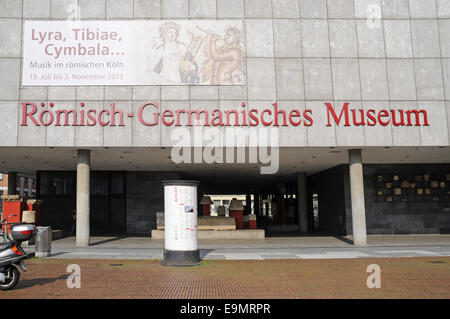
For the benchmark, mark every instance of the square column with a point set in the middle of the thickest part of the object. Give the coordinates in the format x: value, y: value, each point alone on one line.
x: 83, y: 194
x: 12, y: 183
x: 22, y: 185
x: 302, y: 199
x: 30, y: 187
x: 357, y: 198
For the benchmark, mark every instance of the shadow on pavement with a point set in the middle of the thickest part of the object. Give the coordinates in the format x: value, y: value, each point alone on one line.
x: 105, y: 241
x: 23, y: 284
x: 58, y: 253
x: 205, y: 252
x: 345, y: 240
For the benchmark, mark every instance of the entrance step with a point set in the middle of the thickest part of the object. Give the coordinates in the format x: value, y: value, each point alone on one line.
x: 219, y: 234
x: 213, y: 223
x: 56, y: 234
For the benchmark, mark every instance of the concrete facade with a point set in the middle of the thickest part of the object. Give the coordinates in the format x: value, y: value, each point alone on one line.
x: 419, y: 214
x: 381, y: 55
x: 300, y: 53
x: 145, y: 197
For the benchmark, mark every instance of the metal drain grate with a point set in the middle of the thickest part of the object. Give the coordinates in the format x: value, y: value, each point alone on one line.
x: 115, y: 265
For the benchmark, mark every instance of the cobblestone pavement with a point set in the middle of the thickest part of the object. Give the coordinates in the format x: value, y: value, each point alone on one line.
x: 422, y: 277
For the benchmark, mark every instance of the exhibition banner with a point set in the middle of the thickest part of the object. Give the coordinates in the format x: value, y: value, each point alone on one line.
x: 155, y: 52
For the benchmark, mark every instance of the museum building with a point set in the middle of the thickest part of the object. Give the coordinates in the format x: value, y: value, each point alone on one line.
x: 330, y: 117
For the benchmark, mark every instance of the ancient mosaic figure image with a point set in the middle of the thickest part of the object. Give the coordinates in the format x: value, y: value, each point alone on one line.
x: 196, y: 52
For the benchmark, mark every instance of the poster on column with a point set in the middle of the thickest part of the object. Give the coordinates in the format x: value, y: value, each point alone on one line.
x: 156, y: 52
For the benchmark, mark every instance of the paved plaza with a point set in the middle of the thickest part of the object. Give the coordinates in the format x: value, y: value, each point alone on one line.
x: 278, y: 267
x: 268, y: 248
x: 422, y: 277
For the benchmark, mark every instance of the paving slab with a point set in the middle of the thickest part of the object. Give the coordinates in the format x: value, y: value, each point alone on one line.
x: 125, y: 247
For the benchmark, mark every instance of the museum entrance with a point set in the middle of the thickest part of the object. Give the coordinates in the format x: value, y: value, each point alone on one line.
x: 108, y: 203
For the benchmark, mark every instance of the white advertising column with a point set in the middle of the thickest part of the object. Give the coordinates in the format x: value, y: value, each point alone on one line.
x: 180, y: 223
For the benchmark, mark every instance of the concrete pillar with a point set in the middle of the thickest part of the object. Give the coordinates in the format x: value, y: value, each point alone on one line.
x: 22, y: 185
x: 256, y: 204
x: 357, y: 198
x: 30, y: 187
x: 12, y: 183
x: 83, y: 183
x: 248, y: 204
x: 302, y: 201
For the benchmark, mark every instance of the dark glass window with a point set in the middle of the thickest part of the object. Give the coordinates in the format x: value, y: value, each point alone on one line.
x: 99, y: 184
x: 117, y: 184
x: 56, y: 183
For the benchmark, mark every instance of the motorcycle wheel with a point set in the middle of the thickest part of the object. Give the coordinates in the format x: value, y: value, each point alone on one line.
x: 11, y: 280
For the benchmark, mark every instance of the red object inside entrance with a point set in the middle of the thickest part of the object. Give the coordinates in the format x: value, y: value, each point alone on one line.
x: 238, y: 217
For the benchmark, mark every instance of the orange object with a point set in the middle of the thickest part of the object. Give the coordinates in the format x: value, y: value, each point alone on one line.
x: 206, y: 202
x: 252, y: 222
x: 238, y: 217
x: 35, y: 205
x: 237, y: 211
x: 246, y: 226
x: 12, y: 209
x: 206, y: 210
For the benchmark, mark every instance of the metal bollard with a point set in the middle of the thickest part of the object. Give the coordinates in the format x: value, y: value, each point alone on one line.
x: 43, y: 241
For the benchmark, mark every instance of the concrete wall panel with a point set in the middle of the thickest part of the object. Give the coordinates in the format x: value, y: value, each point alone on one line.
x: 10, y: 130
x: 144, y: 135
x: 89, y: 136
x: 319, y: 133
x: 287, y: 39
x: 397, y: 35
x: 405, y: 135
x: 343, y: 38
x: 92, y: 9
x: 370, y: 39
x: 443, y: 8
x: 401, y: 79
x: 318, y: 80
x: 377, y: 135
x: 307, y: 51
x: 315, y: 42
x: 428, y: 74
x: 286, y: 8
x: 434, y: 134
x: 349, y: 135
x: 10, y: 37
x: 61, y: 135
x: 395, y: 9
x: 36, y: 9
x: 289, y: 77
x: 119, y: 135
x: 373, y: 79
x: 313, y: 9
x: 9, y: 85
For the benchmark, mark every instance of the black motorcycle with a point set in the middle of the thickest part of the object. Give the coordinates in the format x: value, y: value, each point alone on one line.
x: 12, y: 255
